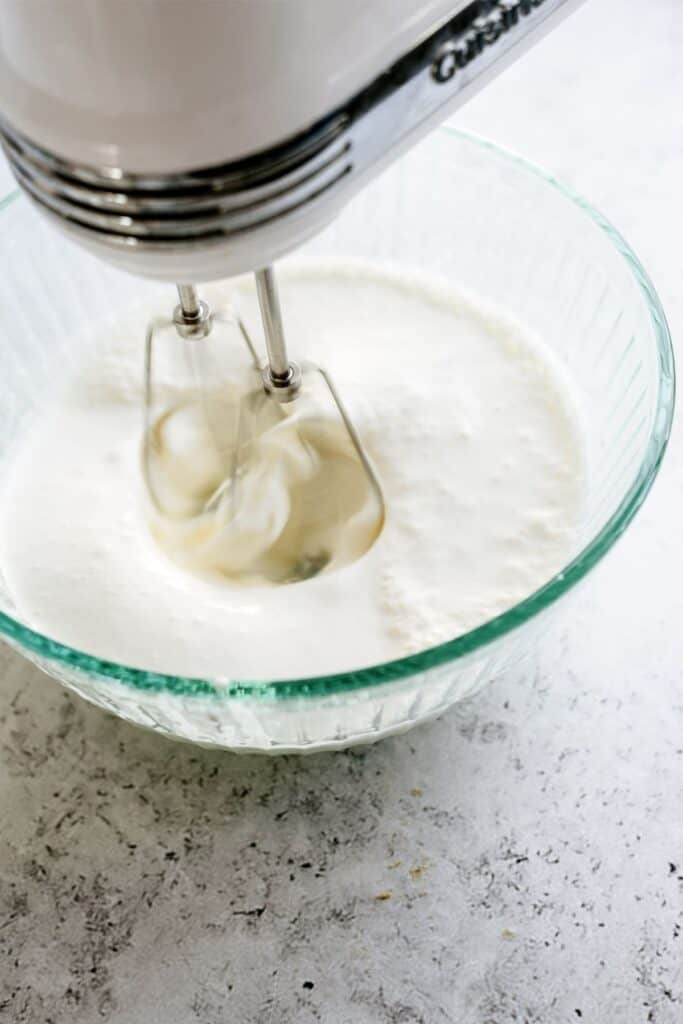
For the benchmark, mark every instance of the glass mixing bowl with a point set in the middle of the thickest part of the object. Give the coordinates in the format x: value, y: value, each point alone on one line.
x: 470, y: 213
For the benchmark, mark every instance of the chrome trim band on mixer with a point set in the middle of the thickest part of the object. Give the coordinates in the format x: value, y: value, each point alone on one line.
x: 185, y: 210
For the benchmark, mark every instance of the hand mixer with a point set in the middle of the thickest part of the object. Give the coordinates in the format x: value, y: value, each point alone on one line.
x: 193, y: 140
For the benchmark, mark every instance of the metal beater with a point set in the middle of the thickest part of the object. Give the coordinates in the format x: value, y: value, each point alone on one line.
x: 218, y: 498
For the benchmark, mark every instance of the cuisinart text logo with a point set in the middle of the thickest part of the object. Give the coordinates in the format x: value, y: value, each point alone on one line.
x: 486, y: 29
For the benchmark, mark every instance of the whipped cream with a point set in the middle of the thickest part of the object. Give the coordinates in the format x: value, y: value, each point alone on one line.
x: 472, y: 428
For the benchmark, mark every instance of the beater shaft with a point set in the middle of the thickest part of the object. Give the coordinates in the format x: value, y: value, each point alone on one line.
x: 269, y: 302
x: 281, y: 377
x: 189, y: 301
x: 192, y: 316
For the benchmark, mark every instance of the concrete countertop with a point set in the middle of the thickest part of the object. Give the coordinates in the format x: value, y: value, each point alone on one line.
x: 520, y: 860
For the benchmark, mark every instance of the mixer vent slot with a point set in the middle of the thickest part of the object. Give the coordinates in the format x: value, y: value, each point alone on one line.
x: 186, y: 207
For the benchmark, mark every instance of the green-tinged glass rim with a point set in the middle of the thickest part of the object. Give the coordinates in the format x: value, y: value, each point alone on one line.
x: 318, y: 686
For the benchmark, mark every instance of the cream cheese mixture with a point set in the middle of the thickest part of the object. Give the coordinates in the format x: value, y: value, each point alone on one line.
x: 472, y: 429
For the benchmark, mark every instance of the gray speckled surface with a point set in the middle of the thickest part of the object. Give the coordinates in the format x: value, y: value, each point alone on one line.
x: 519, y: 861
